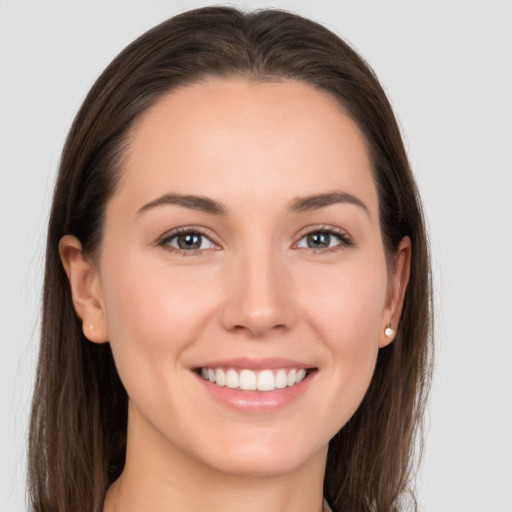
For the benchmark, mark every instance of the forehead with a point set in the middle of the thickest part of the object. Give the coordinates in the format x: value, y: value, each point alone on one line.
x: 237, y: 140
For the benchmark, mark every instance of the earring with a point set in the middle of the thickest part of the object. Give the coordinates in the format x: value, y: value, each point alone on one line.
x: 388, y: 331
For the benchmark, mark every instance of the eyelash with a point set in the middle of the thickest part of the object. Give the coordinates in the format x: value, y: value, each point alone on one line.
x: 165, y: 240
x: 345, y: 240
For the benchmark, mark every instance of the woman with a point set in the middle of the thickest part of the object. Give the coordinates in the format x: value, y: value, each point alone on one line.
x: 237, y: 292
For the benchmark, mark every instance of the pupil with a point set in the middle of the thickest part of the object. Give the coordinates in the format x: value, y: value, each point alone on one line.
x: 318, y: 240
x: 189, y: 241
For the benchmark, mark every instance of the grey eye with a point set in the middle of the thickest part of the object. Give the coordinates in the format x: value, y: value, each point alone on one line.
x: 319, y: 240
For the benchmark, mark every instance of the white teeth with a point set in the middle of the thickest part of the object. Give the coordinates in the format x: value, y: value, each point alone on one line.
x: 300, y: 375
x: 249, y: 380
x: 220, y: 377
x: 290, y: 379
x: 232, y: 380
x: 281, y: 380
x: 266, y: 381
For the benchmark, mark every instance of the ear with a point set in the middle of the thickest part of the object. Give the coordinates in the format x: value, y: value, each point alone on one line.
x: 85, y: 289
x: 396, y: 292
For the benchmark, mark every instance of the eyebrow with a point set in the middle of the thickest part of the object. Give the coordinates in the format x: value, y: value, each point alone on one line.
x: 314, y: 202
x: 300, y: 204
x: 200, y: 203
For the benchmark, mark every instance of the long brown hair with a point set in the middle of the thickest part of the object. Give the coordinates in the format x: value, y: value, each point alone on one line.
x: 79, y: 411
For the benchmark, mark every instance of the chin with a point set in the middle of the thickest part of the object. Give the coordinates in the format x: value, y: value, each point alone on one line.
x: 264, y: 454
x: 261, y: 464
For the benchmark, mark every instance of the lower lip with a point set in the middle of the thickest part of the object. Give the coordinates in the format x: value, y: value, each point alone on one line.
x: 257, y: 401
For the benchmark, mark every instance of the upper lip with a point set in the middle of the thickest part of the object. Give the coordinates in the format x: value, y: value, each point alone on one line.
x: 256, y: 364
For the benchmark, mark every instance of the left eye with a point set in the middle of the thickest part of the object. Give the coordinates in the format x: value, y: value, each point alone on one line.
x: 320, y: 240
x: 190, y: 241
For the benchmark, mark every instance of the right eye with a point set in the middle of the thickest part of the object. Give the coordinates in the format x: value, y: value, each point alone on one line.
x: 188, y: 241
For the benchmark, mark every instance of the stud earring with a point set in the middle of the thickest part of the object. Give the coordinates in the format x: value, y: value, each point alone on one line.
x: 388, y: 331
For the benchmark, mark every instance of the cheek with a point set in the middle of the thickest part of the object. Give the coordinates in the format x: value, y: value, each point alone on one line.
x: 153, y: 313
x: 347, y: 302
x: 345, y: 308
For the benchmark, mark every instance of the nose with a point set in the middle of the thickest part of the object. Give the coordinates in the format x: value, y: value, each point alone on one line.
x: 259, y: 298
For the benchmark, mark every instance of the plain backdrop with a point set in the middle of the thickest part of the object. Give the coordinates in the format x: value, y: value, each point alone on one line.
x: 447, y: 67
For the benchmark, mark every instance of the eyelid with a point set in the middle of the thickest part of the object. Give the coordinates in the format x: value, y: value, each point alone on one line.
x: 346, y: 239
x: 163, y: 241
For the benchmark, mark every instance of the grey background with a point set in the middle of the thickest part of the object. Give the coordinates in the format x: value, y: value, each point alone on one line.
x: 447, y: 67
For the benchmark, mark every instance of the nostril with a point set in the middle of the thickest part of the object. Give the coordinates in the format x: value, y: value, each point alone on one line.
x: 258, y: 330
x: 256, y: 312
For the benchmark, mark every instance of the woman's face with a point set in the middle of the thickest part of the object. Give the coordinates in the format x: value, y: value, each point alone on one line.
x: 242, y: 244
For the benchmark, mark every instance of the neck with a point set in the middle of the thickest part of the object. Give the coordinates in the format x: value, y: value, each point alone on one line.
x: 160, y: 478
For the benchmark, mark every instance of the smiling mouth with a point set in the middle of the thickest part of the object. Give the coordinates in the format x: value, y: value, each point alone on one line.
x: 250, y: 380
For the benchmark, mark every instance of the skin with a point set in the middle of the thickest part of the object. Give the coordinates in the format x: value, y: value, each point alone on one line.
x: 255, y: 289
